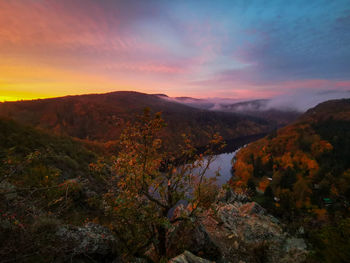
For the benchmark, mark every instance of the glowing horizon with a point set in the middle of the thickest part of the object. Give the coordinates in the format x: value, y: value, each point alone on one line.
x: 230, y: 49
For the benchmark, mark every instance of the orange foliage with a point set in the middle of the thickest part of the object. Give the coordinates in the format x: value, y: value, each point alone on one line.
x: 286, y: 160
x: 243, y: 170
x: 320, y: 146
x: 334, y: 191
x: 266, y: 158
x: 263, y: 184
x: 321, y: 214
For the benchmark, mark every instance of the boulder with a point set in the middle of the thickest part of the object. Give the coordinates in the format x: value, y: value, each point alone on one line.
x: 229, y: 196
x: 252, y: 209
x: 92, y: 240
x: 243, y: 231
x: 295, y: 244
x: 194, y: 238
x: 188, y: 257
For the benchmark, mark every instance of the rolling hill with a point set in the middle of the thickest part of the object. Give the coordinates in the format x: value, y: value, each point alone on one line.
x: 101, y: 117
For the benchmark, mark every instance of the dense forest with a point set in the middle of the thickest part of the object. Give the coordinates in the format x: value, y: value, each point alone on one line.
x: 301, y: 173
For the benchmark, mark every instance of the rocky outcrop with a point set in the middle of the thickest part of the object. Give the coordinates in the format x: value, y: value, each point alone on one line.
x: 242, y: 231
x: 92, y: 241
x: 229, y: 196
x: 192, y: 236
x: 188, y: 257
x: 251, y: 208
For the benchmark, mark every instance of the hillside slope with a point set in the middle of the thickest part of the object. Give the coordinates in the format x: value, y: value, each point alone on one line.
x: 26, y: 146
x: 102, y: 117
x: 302, y: 174
x: 254, y: 108
x: 260, y: 109
x: 46, y: 181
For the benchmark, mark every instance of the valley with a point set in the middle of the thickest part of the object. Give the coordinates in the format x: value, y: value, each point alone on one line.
x: 56, y: 179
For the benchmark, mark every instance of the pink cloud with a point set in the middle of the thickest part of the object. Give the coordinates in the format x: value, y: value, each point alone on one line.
x: 148, y: 67
x: 343, y: 84
x: 245, y: 89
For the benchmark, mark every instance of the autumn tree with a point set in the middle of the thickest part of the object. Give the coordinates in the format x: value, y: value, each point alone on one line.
x: 151, y: 181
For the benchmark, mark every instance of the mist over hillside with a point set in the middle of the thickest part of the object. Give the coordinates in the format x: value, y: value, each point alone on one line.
x: 304, y: 100
x: 299, y: 101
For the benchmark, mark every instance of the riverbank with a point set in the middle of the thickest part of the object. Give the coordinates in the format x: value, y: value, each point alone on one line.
x: 223, y: 159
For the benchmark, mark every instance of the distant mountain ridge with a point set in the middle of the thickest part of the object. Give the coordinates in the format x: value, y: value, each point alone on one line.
x: 259, y: 108
x: 102, y: 117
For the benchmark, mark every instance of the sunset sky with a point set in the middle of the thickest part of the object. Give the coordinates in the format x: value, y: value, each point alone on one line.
x: 235, y: 49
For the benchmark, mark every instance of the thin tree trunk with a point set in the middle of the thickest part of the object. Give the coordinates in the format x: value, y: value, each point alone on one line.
x: 162, y: 241
x: 162, y: 236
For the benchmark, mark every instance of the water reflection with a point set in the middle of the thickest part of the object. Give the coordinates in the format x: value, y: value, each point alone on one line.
x: 223, y: 164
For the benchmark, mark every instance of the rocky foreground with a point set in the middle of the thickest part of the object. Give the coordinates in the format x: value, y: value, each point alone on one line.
x: 238, y: 230
x: 233, y: 230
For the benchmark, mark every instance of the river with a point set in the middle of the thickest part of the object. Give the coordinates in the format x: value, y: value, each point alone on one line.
x: 223, y: 161
x: 223, y: 164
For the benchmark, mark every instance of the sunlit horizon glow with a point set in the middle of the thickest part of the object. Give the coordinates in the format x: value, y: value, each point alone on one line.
x: 228, y: 48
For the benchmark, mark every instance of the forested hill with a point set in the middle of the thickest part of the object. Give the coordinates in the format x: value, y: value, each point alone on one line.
x: 102, y: 117
x: 27, y: 151
x: 302, y: 174
x: 329, y: 110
